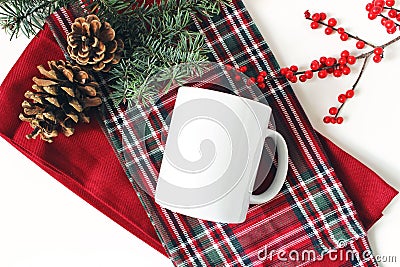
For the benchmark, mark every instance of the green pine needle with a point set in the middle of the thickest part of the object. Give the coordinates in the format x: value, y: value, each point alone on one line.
x: 26, y: 17
x: 157, y: 38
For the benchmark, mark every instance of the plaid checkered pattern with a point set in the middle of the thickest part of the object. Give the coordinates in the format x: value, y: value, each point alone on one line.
x: 312, y: 211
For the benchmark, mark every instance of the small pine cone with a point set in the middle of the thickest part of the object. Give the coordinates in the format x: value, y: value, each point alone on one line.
x: 92, y: 44
x: 59, y: 100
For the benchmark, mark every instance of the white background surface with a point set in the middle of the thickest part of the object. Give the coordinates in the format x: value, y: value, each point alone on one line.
x: 44, y: 224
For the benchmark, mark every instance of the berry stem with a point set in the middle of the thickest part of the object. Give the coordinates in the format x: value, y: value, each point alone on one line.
x: 361, y: 56
x: 390, y: 8
x: 349, y: 34
x: 354, y: 87
x: 270, y: 77
x: 317, y: 70
x: 386, y: 17
x: 367, y: 54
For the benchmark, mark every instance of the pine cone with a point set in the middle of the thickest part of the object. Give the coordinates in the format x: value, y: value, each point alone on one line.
x: 59, y: 100
x: 92, y: 43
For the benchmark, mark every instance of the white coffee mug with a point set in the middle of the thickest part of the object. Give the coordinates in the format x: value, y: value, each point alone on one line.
x: 212, y: 154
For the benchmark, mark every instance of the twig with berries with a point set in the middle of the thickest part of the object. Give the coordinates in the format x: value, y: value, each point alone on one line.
x: 341, y: 65
x: 343, y: 98
x: 387, y: 13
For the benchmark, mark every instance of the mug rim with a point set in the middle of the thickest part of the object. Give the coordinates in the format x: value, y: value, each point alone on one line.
x: 209, y: 91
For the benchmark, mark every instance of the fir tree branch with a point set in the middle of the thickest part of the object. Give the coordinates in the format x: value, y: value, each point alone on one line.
x: 163, y: 39
x: 158, y: 37
x: 26, y: 17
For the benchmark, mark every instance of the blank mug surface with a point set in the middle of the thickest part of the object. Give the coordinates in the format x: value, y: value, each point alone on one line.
x: 211, y: 155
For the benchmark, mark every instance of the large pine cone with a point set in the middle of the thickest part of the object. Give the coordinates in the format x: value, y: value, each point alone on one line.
x: 92, y: 43
x: 59, y: 100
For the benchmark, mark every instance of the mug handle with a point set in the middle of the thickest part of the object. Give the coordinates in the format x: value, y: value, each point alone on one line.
x: 281, y: 172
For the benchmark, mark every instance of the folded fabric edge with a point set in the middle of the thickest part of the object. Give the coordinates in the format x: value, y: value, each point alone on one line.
x: 369, y: 211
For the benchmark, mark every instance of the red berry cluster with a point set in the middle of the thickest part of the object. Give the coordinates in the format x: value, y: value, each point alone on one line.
x: 336, y: 67
x: 334, y: 111
x: 324, y: 67
x: 390, y: 20
x: 319, y: 19
x: 259, y: 80
x: 339, y: 66
x: 291, y: 73
x: 378, y: 54
x: 237, y: 77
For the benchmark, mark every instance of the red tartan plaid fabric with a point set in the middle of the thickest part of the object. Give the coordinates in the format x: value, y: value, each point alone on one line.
x: 312, y: 212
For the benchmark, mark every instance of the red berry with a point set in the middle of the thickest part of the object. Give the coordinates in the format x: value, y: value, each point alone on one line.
x: 322, y: 60
x: 228, y: 67
x: 330, y: 70
x: 337, y: 73
x: 238, y: 78
x: 392, y: 13
x: 346, y: 70
x: 307, y: 14
x: 345, y: 53
x: 322, y: 74
x: 350, y: 93
x: 372, y: 16
x: 333, y: 120
x: 383, y: 21
x: 303, y: 78
x: 342, y: 98
x: 332, y: 22
x: 376, y: 10
x: 260, y: 78
x: 261, y: 85
x: 339, y: 120
x: 314, y: 25
x: 340, y: 30
x: 293, y: 79
x: 243, y: 69
x: 309, y: 74
x: 378, y: 51
x: 344, y: 37
x: 392, y: 30
x: 368, y: 7
x: 360, y: 44
x: 351, y: 60
x: 379, y: 3
x: 333, y: 110
x: 263, y: 73
x: 322, y: 16
x: 251, y: 81
x: 283, y: 71
x: 289, y: 75
x: 330, y: 61
x: 294, y: 68
x: 327, y: 119
x: 328, y: 31
x: 390, y: 3
x: 343, y: 61
x: 389, y: 24
x: 314, y: 65
x: 316, y: 17
x: 398, y: 17
x: 377, y: 58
